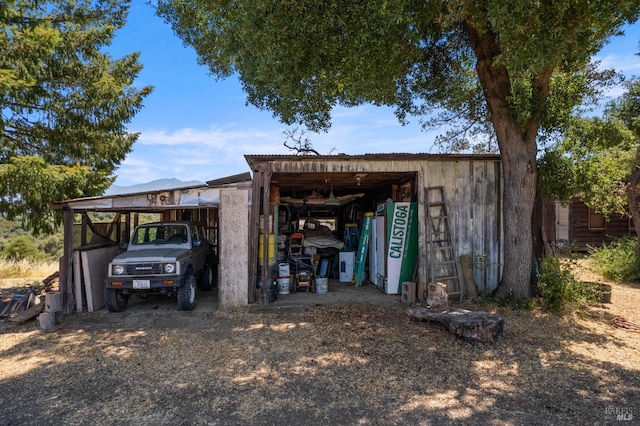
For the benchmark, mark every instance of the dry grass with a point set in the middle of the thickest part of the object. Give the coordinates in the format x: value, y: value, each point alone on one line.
x: 344, y: 364
x: 26, y: 269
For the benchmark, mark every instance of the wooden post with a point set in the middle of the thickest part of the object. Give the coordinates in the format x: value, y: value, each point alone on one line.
x: 66, y: 262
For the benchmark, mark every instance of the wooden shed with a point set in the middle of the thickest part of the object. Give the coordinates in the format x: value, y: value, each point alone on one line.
x: 580, y: 227
x: 340, y: 191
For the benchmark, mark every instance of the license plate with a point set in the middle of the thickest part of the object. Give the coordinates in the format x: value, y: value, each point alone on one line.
x: 141, y: 284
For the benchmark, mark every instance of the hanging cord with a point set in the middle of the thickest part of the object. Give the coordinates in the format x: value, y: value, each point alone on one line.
x: 620, y: 322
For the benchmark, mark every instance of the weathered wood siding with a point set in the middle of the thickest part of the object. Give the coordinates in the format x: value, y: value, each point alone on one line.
x: 472, y: 195
x: 472, y: 189
x: 582, y: 238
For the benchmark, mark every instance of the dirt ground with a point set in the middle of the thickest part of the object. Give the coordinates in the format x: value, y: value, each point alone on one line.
x: 321, y: 363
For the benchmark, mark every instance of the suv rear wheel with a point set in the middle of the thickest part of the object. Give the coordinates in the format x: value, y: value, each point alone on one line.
x: 206, y: 279
x: 187, y: 294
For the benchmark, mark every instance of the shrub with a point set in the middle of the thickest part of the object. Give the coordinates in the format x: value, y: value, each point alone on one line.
x: 559, y: 289
x: 617, y: 261
x: 22, y: 247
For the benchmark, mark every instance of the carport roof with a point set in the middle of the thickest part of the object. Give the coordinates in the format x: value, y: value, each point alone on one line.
x: 143, y: 198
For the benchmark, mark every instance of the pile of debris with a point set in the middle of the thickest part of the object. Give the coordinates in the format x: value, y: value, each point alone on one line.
x: 42, y: 301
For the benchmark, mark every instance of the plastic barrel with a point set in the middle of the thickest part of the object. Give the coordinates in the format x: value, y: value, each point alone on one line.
x: 283, y: 285
x: 322, y: 285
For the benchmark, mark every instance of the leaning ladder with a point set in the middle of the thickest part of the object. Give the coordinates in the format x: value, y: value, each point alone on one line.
x: 443, y: 262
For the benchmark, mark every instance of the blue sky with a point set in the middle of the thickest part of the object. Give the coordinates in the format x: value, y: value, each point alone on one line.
x: 194, y: 127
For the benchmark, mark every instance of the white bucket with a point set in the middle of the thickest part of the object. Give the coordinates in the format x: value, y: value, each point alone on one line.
x: 283, y: 270
x: 283, y: 285
x: 322, y: 285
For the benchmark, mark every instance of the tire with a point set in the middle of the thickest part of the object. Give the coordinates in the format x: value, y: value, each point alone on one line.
x: 187, y: 294
x: 115, y: 300
x: 206, y: 279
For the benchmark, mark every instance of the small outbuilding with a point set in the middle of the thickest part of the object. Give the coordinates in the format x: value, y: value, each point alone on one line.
x: 453, y: 207
x: 579, y: 227
x: 397, y: 221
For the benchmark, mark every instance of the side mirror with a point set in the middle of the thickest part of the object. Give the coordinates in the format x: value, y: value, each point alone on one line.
x: 123, y: 245
x: 197, y: 243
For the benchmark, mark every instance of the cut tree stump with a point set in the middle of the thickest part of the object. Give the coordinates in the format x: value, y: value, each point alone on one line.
x: 480, y: 326
x: 437, y: 297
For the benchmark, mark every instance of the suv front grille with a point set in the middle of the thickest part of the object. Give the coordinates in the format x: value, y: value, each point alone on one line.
x: 144, y: 269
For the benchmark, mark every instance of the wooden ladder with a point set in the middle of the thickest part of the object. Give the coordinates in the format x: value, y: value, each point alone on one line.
x: 443, y: 262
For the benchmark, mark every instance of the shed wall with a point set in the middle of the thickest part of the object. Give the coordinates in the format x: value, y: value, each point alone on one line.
x: 582, y: 238
x: 472, y: 189
x: 234, y: 243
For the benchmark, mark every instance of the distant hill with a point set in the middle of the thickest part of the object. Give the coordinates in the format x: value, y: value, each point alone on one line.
x: 156, y: 185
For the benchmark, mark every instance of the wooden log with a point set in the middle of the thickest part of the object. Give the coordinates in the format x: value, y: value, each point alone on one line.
x: 480, y: 326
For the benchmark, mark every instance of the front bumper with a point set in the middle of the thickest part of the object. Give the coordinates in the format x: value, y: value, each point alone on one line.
x: 149, y: 282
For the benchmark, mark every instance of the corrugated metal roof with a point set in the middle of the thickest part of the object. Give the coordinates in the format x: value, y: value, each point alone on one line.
x: 181, y: 196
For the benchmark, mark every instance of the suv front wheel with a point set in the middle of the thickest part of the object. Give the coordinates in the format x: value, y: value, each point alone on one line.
x: 115, y: 300
x: 187, y: 294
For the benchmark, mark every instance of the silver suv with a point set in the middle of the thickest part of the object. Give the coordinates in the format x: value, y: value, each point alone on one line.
x: 161, y: 257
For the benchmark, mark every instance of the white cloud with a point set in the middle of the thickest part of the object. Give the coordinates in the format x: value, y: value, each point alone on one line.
x: 209, y: 153
x: 627, y: 64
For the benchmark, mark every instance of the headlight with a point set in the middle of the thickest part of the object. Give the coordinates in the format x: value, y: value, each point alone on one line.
x: 118, y: 269
x: 170, y: 268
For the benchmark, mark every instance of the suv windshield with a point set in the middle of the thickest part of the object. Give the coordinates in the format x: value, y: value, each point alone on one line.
x: 161, y: 234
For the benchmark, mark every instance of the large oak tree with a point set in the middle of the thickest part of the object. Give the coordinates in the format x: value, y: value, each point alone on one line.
x: 493, y: 62
x: 64, y: 103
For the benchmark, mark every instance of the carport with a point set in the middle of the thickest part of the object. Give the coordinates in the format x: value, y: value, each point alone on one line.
x: 94, y: 228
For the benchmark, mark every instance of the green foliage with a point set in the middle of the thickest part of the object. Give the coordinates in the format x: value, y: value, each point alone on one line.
x: 525, y: 303
x: 497, y: 299
x: 627, y: 107
x: 503, y: 301
x: 22, y: 247
x: 556, y: 176
x: 618, y: 261
x: 559, y: 289
x: 301, y: 59
x: 53, y: 247
x: 48, y: 246
x: 64, y: 103
x: 595, y: 160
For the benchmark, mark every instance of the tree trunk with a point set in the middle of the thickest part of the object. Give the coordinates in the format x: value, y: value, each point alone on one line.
x: 518, y: 149
x: 520, y: 174
x: 633, y: 196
